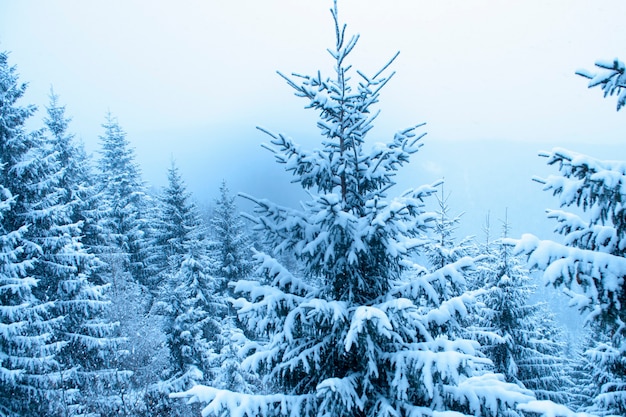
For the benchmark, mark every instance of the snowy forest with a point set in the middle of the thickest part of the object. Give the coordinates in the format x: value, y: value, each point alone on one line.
x: 118, y: 300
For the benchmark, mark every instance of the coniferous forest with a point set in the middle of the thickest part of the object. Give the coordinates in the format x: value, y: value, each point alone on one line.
x: 118, y: 300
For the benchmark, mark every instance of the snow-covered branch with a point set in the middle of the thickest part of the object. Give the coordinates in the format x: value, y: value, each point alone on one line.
x: 611, y: 78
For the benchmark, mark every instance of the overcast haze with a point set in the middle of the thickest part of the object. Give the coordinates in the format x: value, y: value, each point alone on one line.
x: 494, y: 80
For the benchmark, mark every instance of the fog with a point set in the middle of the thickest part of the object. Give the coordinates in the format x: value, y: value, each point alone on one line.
x: 494, y: 81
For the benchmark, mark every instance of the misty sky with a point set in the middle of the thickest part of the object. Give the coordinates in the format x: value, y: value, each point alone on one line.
x: 494, y: 80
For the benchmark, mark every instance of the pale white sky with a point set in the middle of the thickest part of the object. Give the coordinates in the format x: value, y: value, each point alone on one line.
x: 493, y: 79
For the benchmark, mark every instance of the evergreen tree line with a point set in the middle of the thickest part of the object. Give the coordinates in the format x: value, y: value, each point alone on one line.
x: 111, y: 298
x: 115, y: 301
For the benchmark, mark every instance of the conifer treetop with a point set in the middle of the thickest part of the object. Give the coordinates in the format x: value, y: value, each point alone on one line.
x: 348, y: 233
x: 346, y: 118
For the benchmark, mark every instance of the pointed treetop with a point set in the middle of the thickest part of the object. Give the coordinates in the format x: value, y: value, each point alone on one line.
x: 56, y: 121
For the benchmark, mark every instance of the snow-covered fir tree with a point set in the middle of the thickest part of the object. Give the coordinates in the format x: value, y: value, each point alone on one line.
x: 78, y: 179
x: 485, y: 249
x: 178, y: 223
x: 125, y: 206
x: 589, y: 264
x: 377, y: 336
x: 521, y: 338
x: 26, y: 350
x: 27, y: 323
x: 187, y: 290
x: 546, y: 369
x: 610, y: 77
x: 186, y: 298
x: 443, y: 249
x: 231, y: 375
x: 192, y: 323
x: 231, y: 249
x: 65, y: 270
x: 585, y: 372
x: 123, y: 231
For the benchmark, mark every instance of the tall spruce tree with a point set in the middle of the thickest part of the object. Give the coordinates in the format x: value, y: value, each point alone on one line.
x: 86, y: 360
x: 231, y: 251
x: 187, y: 297
x: 125, y: 202
x: 187, y: 289
x: 123, y: 231
x: 377, y: 336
